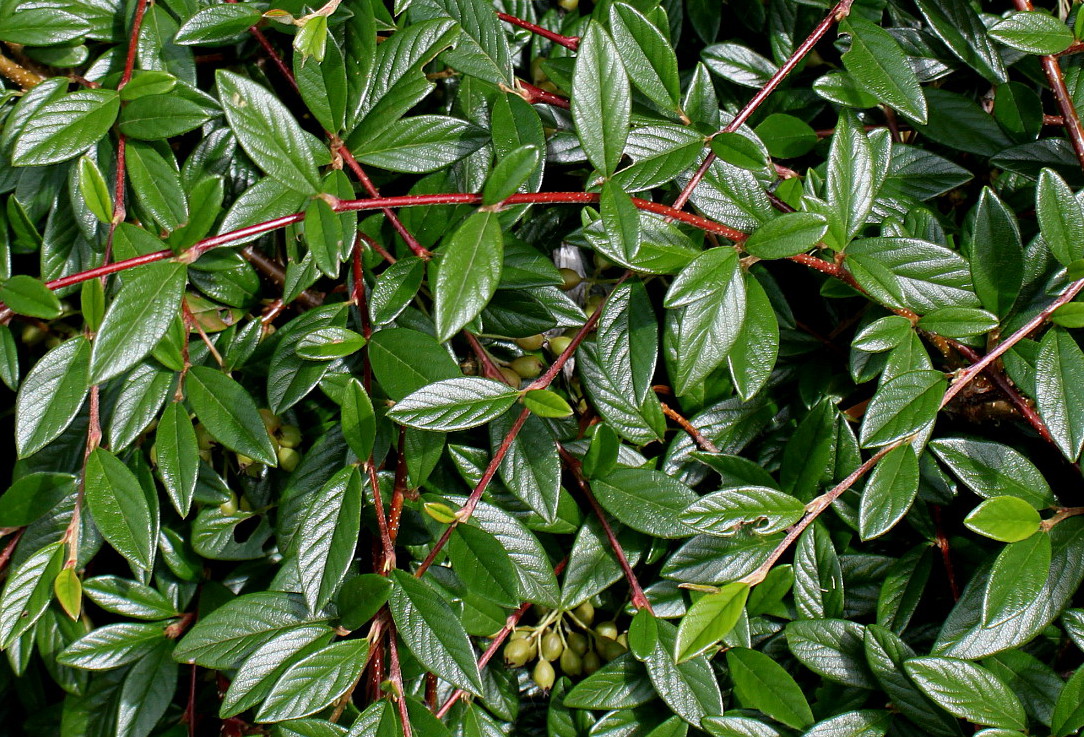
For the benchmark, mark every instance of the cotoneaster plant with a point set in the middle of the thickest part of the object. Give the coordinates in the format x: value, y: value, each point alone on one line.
x: 621, y: 368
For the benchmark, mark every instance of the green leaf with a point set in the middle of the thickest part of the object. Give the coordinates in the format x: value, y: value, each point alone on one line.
x: 722, y: 512
x: 65, y: 127
x: 710, y: 619
x: 433, y: 632
x: 420, y: 144
x: 395, y: 288
x: 27, y: 592
x: 889, y: 493
x: 268, y: 132
x: 405, y: 360
x: 358, y: 419
x: 688, y: 688
x: 361, y: 597
x: 113, y: 645
x: 326, y: 344
x: 229, y: 414
x: 482, y: 50
x: 29, y: 296
x: 69, y: 592
x: 958, y: 322
x: 313, y: 682
x: 739, y: 150
x: 967, y: 690
x: 957, y: 24
x: 327, y: 536
x: 620, y: 219
x: 510, y: 174
x: 645, y: 500
x: 831, y: 648
x: 850, y: 180
x: 128, y: 598
x: 997, y: 256
x: 94, y: 190
x: 51, y: 395
x: 1016, y: 579
x: 468, y: 272
x: 761, y: 683
x: 992, y: 469
x: 483, y: 565
x: 1061, y: 217
x: 324, y: 236
x: 546, y: 403
x: 232, y: 632
x: 123, y: 511
x: 218, y: 24
x: 902, y: 407
x: 786, y: 136
x: 877, y: 62
x: 1005, y: 518
x: 787, y: 235
x: 1068, y: 716
x: 1033, y: 32
x: 137, y: 319
x: 157, y: 117
x: 1059, y: 390
x: 454, y: 404
x: 628, y: 338
x: 31, y: 496
x: 620, y: 684
x: 177, y: 456
x: 601, y: 99
x: 647, y: 55
x: 1069, y: 315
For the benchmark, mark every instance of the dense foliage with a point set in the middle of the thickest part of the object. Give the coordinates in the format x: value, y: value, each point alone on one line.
x: 480, y: 367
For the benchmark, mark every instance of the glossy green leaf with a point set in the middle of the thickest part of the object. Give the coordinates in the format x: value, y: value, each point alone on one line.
x: 967, y: 690
x: 763, y: 684
x: 889, y: 493
x: 902, y: 407
x: 877, y: 62
x: 229, y: 414
x: 313, y: 682
x: 1005, y: 518
x: 1034, y: 32
x: 137, y: 319
x: 1016, y: 578
x: 29, y: 296
x: 468, y: 272
x: 1059, y: 377
x: 66, y: 127
x: 123, y: 511
x: 710, y: 619
x: 601, y: 99
x: 51, y: 395
x: 787, y: 235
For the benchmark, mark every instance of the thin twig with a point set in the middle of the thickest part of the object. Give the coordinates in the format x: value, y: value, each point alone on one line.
x: 689, y: 428
x: 569, y: 42
x: 838, y: 13
x: 396, y: 676
x: 17, y: 73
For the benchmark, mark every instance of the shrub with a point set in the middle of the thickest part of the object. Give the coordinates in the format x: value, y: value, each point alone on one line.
x: 489, y: 368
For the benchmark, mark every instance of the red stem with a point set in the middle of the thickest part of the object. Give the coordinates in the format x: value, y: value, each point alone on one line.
x: 536, y: 95
x: 838, y: 13
x: 397, y: 681
x: 381, y: 521
x: 569, y: 42
x: 133, y: 45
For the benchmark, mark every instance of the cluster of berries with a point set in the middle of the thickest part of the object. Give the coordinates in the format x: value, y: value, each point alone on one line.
x: 567, y: 639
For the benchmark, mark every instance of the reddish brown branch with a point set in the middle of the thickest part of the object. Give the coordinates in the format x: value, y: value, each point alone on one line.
x: 569, y: 42
x: 639, y: 599
x: 689, y: 428
x: 396, y: 676
x: 838, y: 13
x: 537, y: 95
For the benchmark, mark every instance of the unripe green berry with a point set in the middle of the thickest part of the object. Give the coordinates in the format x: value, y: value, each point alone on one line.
x: 510, y: 377
x: 527, y: 367
x: 270, y: 420
x: 559, y: 343
x: 610, y: 649
x: 289, y: 436
x: 571, y: 663
x: 607, y: 630
x: 591, y: 662
x: 551, y: 646
x: 518, y: 652
x: 288, y: 459
x: 577, y: 643
x: 543, y: 675
x: 228, y: 507
x: 623, y: 640
x: 585, y: 612
x: 572, y: 279
x: 569, y: 5
x: 531, y: 342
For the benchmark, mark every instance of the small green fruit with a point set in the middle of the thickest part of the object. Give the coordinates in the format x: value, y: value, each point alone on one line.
x: 510, y: 377
x: 518, y: 652
x: 591, y: 662
x: 270, y: 420
x: 610, y: 649
x: 289, y: 436
x: 552, y: 646
x: 571, y: 663
x: 577, y: 643
x: 543, y: 675
x: 568, y: 5
x: 559, y: 343
x: 585, y: 612
x: 531, y: 342
x: 288, y: 459
x: 527, y: 367
x: 572, y: 279
x: 607, y: 630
